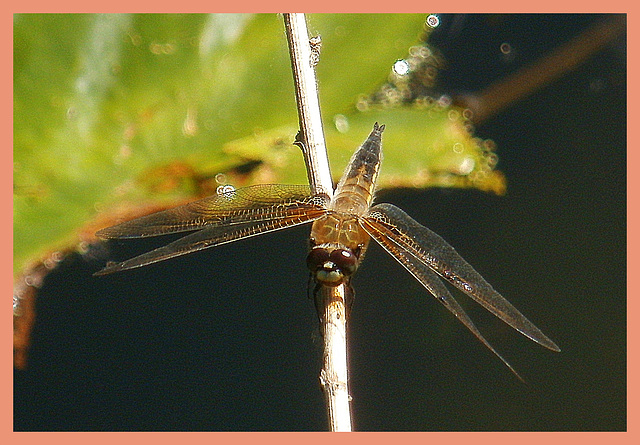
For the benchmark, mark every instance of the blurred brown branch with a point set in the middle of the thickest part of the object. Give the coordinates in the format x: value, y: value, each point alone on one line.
x: 528, y: 80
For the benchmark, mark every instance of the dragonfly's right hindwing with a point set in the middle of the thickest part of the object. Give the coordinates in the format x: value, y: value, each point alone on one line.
x: 433, y: 252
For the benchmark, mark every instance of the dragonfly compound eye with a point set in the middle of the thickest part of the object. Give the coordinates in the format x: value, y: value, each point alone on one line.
x: 317, y: 256
x: 331, y: 269
x: 345, y: 260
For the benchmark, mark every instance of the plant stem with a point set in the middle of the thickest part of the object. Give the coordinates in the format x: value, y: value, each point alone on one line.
x: 333, y: 376
x: 304, y: 78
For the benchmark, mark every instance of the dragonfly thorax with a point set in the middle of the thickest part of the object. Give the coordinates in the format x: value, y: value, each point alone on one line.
x: 331, y: 265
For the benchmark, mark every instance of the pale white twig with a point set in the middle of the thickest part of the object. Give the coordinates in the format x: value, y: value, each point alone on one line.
x: 304, y: 77
x: 333, y: 376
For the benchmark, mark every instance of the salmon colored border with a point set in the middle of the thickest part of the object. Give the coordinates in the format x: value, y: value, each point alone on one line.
x: 566, y: 6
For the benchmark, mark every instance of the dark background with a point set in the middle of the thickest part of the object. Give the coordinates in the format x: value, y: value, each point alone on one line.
x: 226, y: 340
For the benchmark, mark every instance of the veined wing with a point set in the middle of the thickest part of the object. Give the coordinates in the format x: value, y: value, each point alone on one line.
x: 219, y: 220
x: 256, y: 203
x: 211, y: 236
x: 421, y: 251
x: 428, y: 279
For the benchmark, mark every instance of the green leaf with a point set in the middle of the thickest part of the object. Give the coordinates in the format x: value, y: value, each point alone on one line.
x: 140, y: 109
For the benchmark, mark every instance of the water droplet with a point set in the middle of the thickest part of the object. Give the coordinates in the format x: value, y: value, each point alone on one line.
x: 468, y: 125
x: 136, y: 39
x: 190, y: 124
x: 424, y: 52
x: 489, y: 144
x: 491, y: 159
x: 401, y: 67
x: 391, y: 96
x: 340, y: 31
x: 444, y: 101
x: 466, y: 166
x: 82, y: 247
x: 505, y: 48
x: 221, y: 178
x: 430, y: 72
x: 458, y: 147
x: 226, y: 190
x: 341, y: 122
x: 507, y: 52
x: 155, y: 48
x: 34, y: 280
x: 362, y: 104
x: 433, y: 20
x: 168, y: 48
x: 162, y: 48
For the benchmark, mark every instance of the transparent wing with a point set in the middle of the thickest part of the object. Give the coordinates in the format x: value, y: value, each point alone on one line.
x: 421, y: 251
x: 209, y: 237
x: 430, y: 281
x: 256, y: 203
x: 219, y: 219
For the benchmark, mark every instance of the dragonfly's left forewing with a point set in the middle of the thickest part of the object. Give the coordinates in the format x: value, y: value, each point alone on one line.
x: 218, y: 220
x: 255, y: 203
x: 411, y: 239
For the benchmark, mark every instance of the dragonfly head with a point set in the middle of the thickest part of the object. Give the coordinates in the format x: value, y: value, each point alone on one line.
x: 331, y: 265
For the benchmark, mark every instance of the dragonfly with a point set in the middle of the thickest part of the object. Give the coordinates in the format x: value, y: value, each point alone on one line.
x: 342, y: 226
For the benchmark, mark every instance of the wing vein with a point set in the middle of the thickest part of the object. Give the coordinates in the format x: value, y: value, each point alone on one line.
x: 435, y: 253
x: 209, y: 237
x: 256, y: 203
